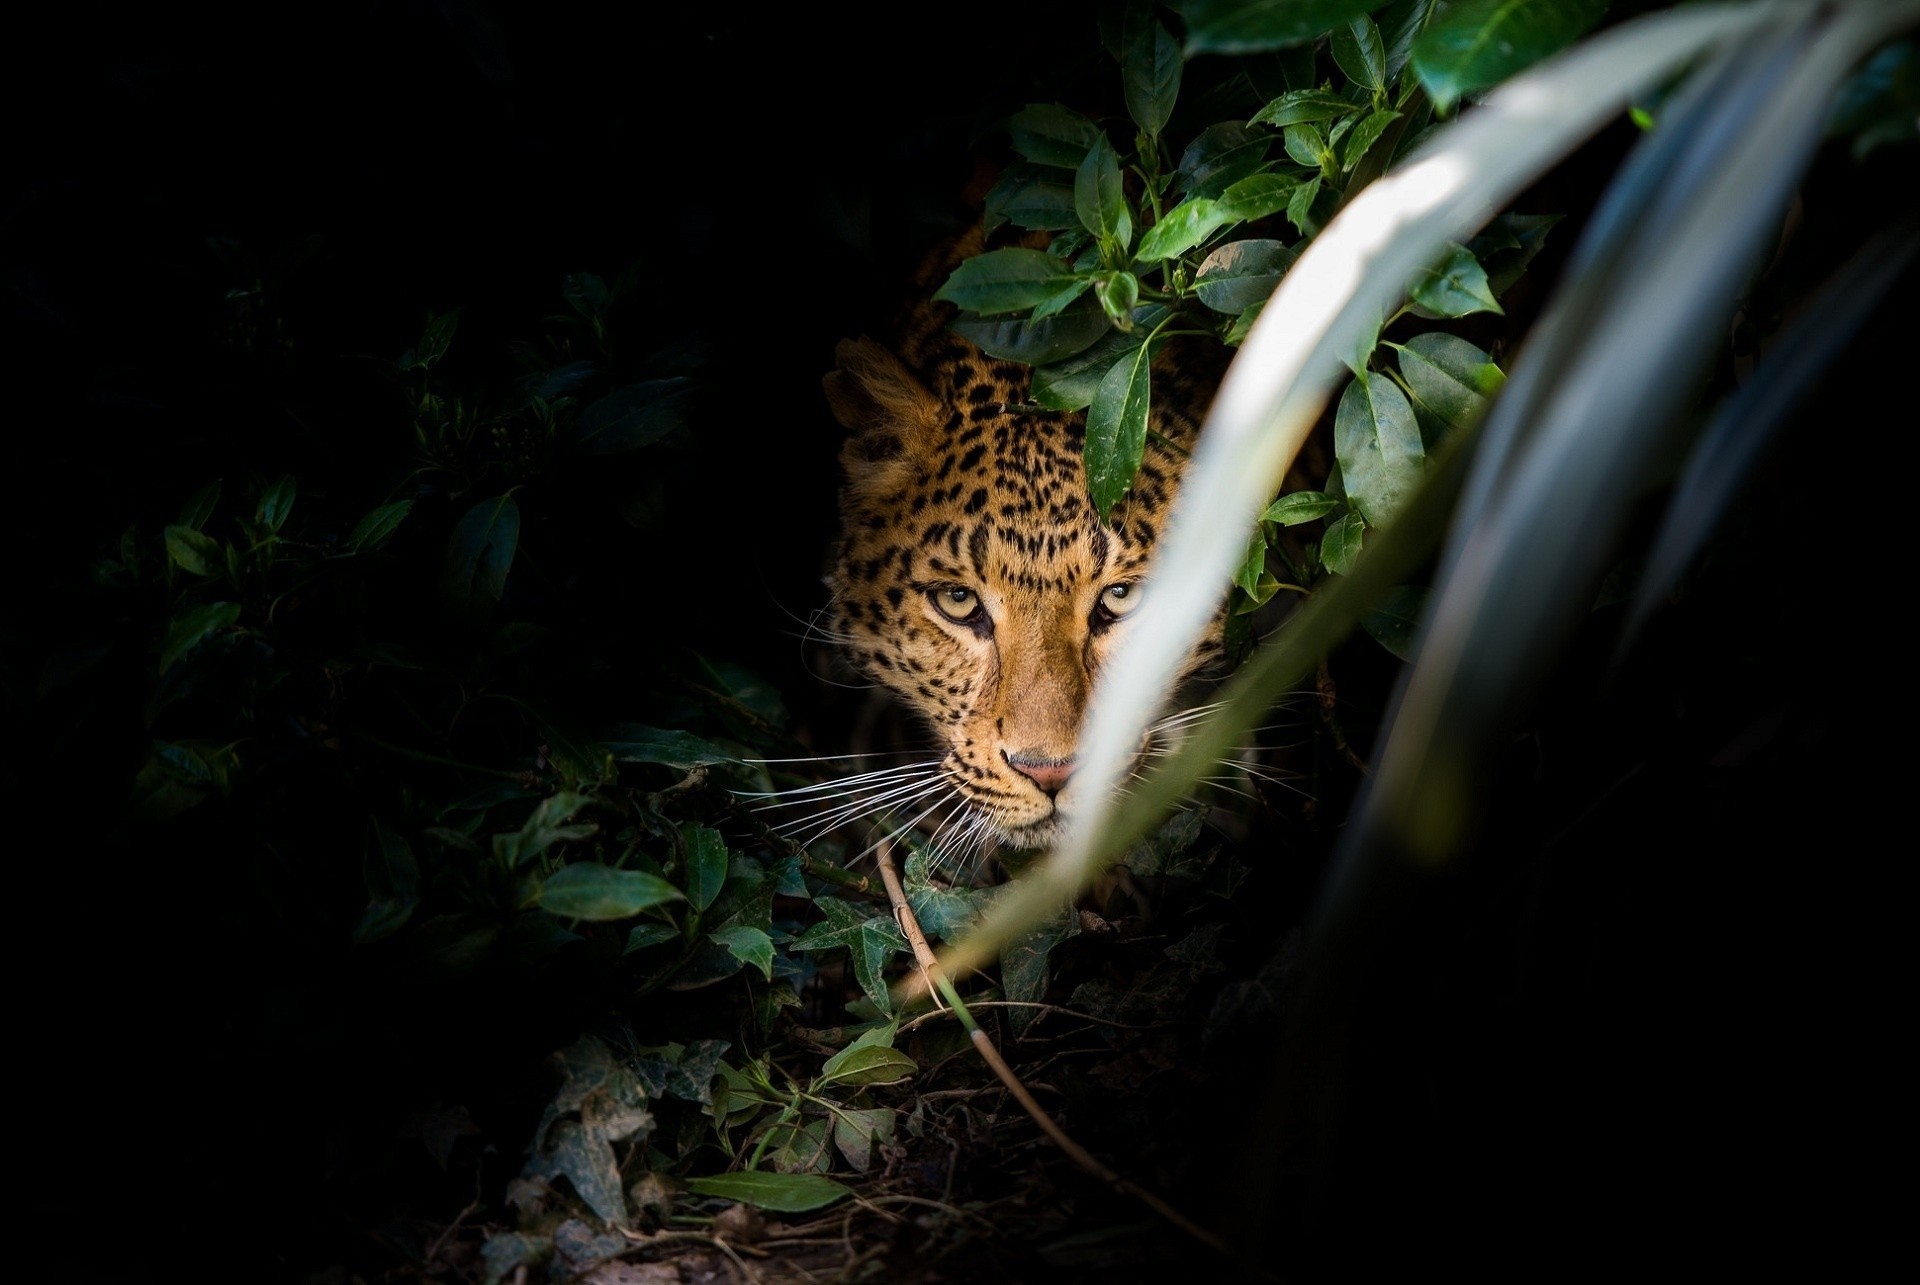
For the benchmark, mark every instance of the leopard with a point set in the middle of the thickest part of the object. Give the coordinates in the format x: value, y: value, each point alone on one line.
x: 974, y: 580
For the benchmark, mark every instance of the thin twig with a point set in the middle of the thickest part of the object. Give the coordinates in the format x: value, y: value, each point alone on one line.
x: 983, y: 1043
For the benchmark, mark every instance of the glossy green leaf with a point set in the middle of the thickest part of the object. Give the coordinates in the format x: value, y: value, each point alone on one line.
x: 192, y: 625
x: 276, y: 502
x: 1242, y: 273
x: 1117, y: 428
x: 1475, y: 44
x: 200, y: 505
x: 632, y: 417
x: 645, y: 935
x: 1050, y: 134
x: 1011, y: 279
x: 1223, y: 154
x: 1377, y: 442
x: 1340, y: 546
x: 638, y: 743
x: 1070, y: 384
x: 1097, y: 196
x: 1150, y: 75
x: 706, y: 868
x: 548, y: 824
x: 779, y: 1193
x: 1449, y: 378
x: 1257, y: 196
x: 1306, y: 145
x: 751, y: 946
x: 1364, y: 135
x: 480, y: 552
x: 1303, y: 107
x: 1119, y: 293
x: 870, y: 940
x: 1031, y: 196
x: 1253, y: 565
x: 1255, y: 26
x: 1024, y: 961
x: 1393, y: 622
x: 193, y: 552
x: 1454, y: 287
x: 1073, y: 329
x: 1300, y: 506
x: 867, y: 1064
x: 1359, y: 52
x: 592, y: 891
x: 435, y: 340
x: 1300, y: 207
x: 1060, y: 301
x: 1185, y: 226
x: 375, y: 529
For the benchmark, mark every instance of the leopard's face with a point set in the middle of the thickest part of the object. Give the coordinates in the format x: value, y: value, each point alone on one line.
x: 974, y: 578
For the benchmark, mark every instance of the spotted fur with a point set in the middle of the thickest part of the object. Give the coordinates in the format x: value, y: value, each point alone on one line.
x: 958, y: 492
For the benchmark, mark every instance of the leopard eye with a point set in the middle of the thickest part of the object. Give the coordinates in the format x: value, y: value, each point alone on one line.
x: 956, y: 602
x: 1119, y: 600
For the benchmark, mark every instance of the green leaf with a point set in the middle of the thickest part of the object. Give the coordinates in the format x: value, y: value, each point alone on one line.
x: 1300, y: 206
x: 638, y: 743
x: 1299, y: 506
x: 1060, y: 301
x: 751, y: 946
x: 590, y: 890
x: 1073, y: 329
x: 193, y: 624
x: 1341, y: 543
x: 1454, y: 287
x: 198, y: 554
x: 1185, y: 226
x: 856, y: 1130
x: 870, y: 940
x: 199, y: 507
x: 1257, y: 196
x: 651, y: 934
x: 1393, y: 622
x: 434, y: 341
x: 275, y: 503
x: 1242, y: 273
x: 1118, y: 294
x: 1023, y: 961
x: 586, y: 293
x: 1070, y: 384
x: 706, y: 854
x: 1358, y: 50
x: 631, y: 417
x: 377, y: 527
x: 1364, y: 136
x: 545, y: 826
x: 1223, y: 154
x: 1303, y: 107
x: 1253, y: 564
x: 1011, y: 279
x: 1475, y: 44
x: 866, y: 1064
x: 1150, y: 74
x: 1306, y: 145
x: 1031, y: 196
x: 1117, y: 429
x: 1049, y: 134
x: 1449, y: 378
x: 1377, y: 442
x: 780, y: 1193
x: 1507, y: 245
x: 1255, y: 26
x: 1097, y: 196
x: 480, y: 552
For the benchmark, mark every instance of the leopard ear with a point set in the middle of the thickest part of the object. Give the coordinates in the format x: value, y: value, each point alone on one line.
x: 888, y: 414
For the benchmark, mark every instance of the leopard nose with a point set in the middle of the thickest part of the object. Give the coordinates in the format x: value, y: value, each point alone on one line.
x: 1050, y: 774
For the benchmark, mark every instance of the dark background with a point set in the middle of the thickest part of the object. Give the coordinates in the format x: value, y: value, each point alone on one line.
x: 1673, y: 1027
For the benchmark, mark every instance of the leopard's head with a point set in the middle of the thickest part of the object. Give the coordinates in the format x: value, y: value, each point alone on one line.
x: 974, y: 579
